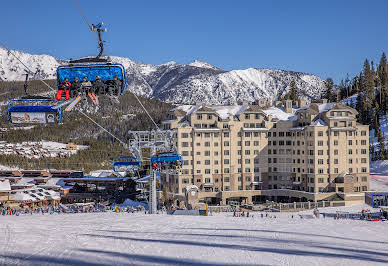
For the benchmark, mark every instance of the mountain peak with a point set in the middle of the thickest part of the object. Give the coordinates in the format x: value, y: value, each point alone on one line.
x: 198, y: 63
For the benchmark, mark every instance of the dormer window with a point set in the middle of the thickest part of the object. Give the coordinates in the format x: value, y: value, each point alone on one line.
x: 209, y: 117
x: 247, y: 116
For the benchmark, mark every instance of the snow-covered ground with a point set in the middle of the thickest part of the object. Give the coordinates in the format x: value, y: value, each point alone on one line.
x: 38, y: 150
x: 139, y: 239
x: 379, y: 176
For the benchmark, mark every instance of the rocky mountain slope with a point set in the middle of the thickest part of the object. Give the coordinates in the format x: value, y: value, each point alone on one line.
x: 177, y: 83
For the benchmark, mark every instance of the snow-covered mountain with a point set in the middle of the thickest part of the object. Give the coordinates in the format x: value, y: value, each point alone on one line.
x: 178, y: 83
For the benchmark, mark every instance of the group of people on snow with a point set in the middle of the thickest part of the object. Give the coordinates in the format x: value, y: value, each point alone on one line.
x: 78, y: 88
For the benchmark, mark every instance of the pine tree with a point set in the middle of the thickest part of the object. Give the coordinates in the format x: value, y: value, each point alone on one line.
x: 292, y: 94
x: 381, y: 146
x: 328, y: 94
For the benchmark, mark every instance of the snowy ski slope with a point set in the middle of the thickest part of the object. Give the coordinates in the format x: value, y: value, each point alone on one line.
x: 138, y: 239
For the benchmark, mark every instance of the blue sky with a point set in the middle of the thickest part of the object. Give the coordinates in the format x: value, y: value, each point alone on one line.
x: 328, y: 38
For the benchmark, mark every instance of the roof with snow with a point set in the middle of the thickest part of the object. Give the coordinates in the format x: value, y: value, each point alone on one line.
x: 224, y: 111
x: 4, y: 185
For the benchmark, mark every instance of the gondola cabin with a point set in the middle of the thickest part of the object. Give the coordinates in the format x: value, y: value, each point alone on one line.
x: 33, y: 111
x: 95, y: 75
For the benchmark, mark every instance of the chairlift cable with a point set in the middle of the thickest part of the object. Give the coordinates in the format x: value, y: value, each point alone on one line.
x: 82, y: 14
x: 9, y: 51
x: 97, y: 124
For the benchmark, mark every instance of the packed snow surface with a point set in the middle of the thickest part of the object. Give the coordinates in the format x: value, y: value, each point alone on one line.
x: 139, y: 239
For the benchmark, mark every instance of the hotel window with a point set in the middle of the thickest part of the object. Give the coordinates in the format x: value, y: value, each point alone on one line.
x: 247, y: 170
x: 247, y: 134
x: 226, y: 170
x: 247, y: 161
x: 363, y: 160
x: 363, y: 151
x: 207, y: 162
x: 320, y: 152
x: 247, y: 116
x: 226, y: 143
x: 320, y: 170
x: 363, y: 169
x: 207, y: 171
x: 320, y: 133
x: 350, y: 151
x: 350, y: 142
x: 247, y: 152
x: 336, y: 143
x: 226, y: 134
x: 247, y: 143
x: 185, y: 144
x: 320, y: 143
x: 226, y: 161
x: 207, y: 153
x: 216, y: 162
x: 209, y: 117
x: 199, y: 117
x: 363, y: 142
x: 226, y: 152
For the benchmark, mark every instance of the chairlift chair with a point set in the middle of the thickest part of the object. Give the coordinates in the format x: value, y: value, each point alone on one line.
x: 33, y: 110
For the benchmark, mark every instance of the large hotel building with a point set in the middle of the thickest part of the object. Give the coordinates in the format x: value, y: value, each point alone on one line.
x: 247, y: 151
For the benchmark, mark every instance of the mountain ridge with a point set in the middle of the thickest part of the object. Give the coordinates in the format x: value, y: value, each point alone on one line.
x: 181, y: 83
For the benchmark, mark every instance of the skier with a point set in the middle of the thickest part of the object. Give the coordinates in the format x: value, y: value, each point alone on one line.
x: 64, y: 87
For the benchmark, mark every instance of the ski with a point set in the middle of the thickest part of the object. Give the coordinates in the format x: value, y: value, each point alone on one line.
x: 63, y: 104
x: 93, y: 97
x: 74, y: 103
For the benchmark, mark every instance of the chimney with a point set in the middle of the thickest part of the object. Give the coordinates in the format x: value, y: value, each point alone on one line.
x: 324, y: 100
x: 288, y: 106
x: 301, y: 103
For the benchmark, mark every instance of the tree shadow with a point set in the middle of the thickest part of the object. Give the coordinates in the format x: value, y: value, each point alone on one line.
x: 154, y: 259
x: 285, y: 232
x: 365, y: 255
x: 129, y: 259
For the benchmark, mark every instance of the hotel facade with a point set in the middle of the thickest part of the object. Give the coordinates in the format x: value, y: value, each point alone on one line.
x: 252, y: 152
